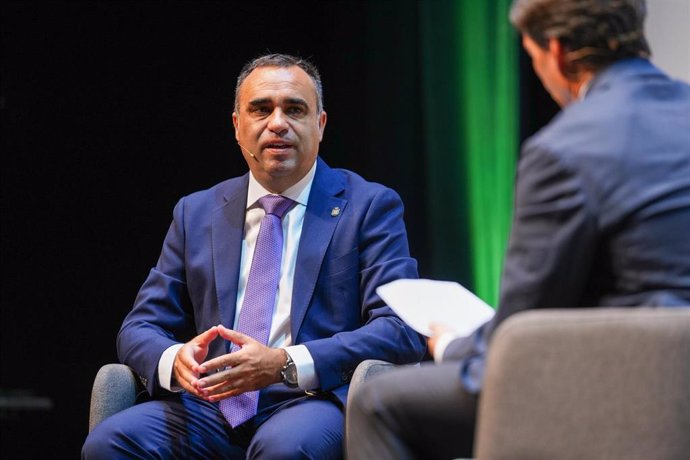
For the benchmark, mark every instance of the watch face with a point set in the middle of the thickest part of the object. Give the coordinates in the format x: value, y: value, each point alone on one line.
x: 291, y: 374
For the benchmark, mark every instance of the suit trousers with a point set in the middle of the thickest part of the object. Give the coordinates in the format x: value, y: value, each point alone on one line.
x: 412, y: 413
x: 181, y: 426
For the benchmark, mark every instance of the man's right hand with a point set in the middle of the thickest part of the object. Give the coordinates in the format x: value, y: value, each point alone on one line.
x: 188, y: 359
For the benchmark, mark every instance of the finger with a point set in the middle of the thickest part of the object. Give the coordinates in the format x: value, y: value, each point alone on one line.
x: 201, y: 345
x: 431, y: 344
x: 221, y: 385
x: 186, y: 356
x: 222, y: 388
x: 186, y: 379
x: 186, y: 367
x: 235, y: 337
x: 189, y: 388
x: 187, y: 359
x: 206, y: 337
x: 218, y: 363
x: 437, y: 328
x: 216, y: 379
x: 224, y: 395
x: 184, y: 374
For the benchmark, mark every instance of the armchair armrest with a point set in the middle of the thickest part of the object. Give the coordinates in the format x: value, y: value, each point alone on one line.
x: 115, y: 388
x: 366, y: 370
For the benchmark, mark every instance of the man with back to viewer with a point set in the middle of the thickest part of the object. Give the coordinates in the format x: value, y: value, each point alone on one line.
x: 602, y: 213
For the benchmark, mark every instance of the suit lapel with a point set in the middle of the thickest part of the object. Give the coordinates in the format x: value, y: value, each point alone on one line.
x: 320, y: 220
x: 226, y: 237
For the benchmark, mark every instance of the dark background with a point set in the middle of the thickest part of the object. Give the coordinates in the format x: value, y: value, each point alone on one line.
x: 111, y: 111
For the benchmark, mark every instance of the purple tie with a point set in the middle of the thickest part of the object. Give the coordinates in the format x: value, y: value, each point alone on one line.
x: 259, y: 296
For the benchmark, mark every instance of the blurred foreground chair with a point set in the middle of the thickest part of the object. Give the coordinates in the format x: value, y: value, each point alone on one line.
x: 594, y: 383
x: 597, y: 383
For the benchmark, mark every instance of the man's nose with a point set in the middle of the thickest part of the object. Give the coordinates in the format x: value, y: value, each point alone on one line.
x: 277, y: 122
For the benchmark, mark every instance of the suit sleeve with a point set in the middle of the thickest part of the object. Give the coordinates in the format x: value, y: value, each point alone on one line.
x: 382, y: 256
x: 550, y: 252
x: 553, y: 239
x: 162, y: 312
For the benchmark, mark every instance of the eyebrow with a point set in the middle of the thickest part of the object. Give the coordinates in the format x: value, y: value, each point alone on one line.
x: 289, y: 100
x: 297, y: 101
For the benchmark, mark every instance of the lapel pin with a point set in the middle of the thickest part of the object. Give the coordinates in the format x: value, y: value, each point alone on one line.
x: 335, y: 212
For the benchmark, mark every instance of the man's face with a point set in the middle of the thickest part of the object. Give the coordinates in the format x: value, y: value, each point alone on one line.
x: 545, y: 64
x: 278, y: 122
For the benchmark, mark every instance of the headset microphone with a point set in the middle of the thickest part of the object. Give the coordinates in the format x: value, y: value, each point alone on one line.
x: 247, y: 150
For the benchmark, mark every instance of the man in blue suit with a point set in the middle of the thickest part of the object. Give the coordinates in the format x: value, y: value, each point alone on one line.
x: 602, y: 217
x: 342, y: 238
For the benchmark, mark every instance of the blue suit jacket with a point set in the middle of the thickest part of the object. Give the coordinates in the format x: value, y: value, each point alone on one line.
x: 335, y: 310
x: 602, y: 206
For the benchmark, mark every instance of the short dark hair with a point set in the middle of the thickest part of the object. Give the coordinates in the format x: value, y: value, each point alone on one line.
x: 281, y: 60
x: 595, y: 32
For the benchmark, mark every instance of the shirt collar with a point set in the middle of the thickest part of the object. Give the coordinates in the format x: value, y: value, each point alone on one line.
x: 298, y: 192
x: 584, y: 88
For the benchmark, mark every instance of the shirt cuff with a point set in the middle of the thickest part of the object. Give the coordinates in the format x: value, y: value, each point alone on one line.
x: 306, y: 371
x: 165, y: 369
x: 442, y: 344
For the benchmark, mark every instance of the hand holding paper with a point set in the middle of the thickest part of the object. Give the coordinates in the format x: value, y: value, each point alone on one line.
x: 421, y: 302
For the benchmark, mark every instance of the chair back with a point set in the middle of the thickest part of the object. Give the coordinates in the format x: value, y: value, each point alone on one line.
x: 602, y: 383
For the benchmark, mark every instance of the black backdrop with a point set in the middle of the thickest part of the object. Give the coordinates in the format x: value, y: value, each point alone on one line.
x: 113, y: 110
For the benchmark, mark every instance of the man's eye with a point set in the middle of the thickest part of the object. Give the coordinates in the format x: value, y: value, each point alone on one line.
x: 295, y: 111
x: 259, y: 110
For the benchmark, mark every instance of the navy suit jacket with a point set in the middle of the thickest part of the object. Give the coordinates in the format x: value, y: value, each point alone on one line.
x: 602, y: 206
x: 342, y: 258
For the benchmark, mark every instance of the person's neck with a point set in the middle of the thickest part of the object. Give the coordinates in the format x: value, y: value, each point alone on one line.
x: 279, y: 184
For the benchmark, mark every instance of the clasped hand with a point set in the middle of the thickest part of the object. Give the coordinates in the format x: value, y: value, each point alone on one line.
x: 252, y: 367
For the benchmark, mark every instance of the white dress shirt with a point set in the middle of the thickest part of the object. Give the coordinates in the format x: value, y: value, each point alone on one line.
x: 281, y: 334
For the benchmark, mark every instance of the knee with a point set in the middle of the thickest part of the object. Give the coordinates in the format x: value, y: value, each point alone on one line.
x: 113, y: 439
x: 97, y: 444
x: 324, y: 442
x: 326, y: 448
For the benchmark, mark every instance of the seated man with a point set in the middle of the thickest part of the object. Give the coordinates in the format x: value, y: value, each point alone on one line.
x: 602, y: 217
x: 248, y: 329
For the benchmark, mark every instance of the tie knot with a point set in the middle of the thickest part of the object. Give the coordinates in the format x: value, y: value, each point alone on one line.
x: 277, y: 205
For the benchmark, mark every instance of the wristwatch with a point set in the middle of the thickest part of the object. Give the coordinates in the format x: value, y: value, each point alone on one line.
x: 289, y: 372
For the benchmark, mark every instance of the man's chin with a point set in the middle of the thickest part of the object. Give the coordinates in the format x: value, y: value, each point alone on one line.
x: 277, y: 168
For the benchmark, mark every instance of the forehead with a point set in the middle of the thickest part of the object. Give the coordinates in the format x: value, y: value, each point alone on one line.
x: 276, y: 83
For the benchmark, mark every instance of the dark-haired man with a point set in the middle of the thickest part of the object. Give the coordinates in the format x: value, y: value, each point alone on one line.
x: 262, y: 303
x: 601, y: 219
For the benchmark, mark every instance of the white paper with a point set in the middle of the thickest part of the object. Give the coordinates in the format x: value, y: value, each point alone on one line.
x: 421, y: 302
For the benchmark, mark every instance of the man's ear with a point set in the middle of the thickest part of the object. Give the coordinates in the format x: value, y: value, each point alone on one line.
x: 323, y: 117
x: 565, y: 66
x: 236, y: 124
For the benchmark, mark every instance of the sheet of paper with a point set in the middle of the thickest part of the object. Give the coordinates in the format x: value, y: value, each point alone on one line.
x: 421, y: 302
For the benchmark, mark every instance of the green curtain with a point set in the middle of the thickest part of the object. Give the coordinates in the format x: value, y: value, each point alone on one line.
x: 469, y: 58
